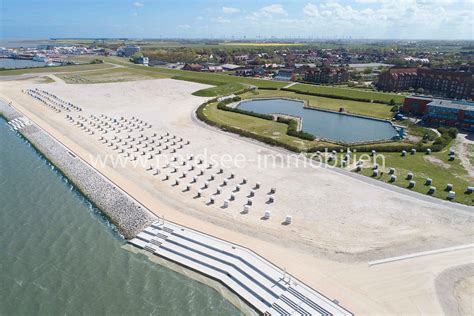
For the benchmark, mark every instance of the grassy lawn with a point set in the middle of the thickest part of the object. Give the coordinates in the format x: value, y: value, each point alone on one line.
x: 435, y: 166
x: 470, y: 155
x: 255, y: 125
x: 417, y: 130
x: 224, y: 89
x: 376, y: 110
x: 195, y: 76
x: 57, y: 69
x: 110, y: 75
x: 348, y: 92
x: 217, y: 79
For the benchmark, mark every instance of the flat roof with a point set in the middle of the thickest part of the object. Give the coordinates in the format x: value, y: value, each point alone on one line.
x: 460, y: 105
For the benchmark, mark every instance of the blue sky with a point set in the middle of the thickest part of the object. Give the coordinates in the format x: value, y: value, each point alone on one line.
x: 390, y: 19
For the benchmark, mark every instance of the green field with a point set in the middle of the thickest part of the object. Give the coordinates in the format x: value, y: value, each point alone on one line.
x: 470, y: 155
x: 435, y: 166
x: 110, y: 75
x: 225, y: 89
x: 264, y: 44
x: 200, y: 77
x: 376, y: 110
x: 348, y: 92
x: 58, y: 69
x: 255, y: 125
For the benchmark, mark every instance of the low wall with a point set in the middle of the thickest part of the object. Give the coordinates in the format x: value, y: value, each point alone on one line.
x: 124, y: 212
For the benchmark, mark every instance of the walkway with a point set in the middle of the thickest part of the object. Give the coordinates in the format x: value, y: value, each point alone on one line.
x: 290, y: 85
x: 270, y: 290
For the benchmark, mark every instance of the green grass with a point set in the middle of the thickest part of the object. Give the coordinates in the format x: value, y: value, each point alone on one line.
x: 376, y: 110
x: 225, y: 89
x: 201, y: 77
x: 110, y: 75
x: 255, y: 125
x: 439, y: 168
x: 470, y: 155
x: 441, y: 171
x: 57, y: 69
x: 348, y: 92
x: 417, y: 130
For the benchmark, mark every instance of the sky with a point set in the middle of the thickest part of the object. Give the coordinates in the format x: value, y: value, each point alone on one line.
x: 317, y: 19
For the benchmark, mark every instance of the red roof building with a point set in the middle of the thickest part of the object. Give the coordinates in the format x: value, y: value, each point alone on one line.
x: 439, y: 82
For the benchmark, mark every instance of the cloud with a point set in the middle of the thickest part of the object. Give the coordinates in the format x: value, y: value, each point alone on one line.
x: 311, y: 10
x: 230, y: 10
x: 267, y: 12
x: 184, y: 26
x: 389, y: 18
x: 138, y: 4
x: 222, y: 20
x: 274, y: 9
x: 367, y: 1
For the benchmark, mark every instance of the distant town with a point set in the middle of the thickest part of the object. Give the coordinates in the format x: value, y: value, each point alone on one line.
x: 429, y: 70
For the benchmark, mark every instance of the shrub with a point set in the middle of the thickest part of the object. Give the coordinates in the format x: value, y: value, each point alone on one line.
x: 264, y: 139
x: 293, y: 129
x: 267, y: 88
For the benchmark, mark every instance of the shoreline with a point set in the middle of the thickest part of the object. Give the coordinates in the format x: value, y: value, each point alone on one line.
x: 333, y: 272
x: 233, y: 298
x: 129, y: 216
x: 66, y: 163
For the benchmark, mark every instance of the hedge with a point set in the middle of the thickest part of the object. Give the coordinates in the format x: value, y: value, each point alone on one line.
x: 293, y: 129
x: 264, y: 139
x: 332, y: 96
x: 447, y: 135
x: 268, y: 88
x: 292, y: 124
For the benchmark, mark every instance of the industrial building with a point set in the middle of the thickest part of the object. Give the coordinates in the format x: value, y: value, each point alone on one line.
x: 458, y: 114
x: 441, y: 112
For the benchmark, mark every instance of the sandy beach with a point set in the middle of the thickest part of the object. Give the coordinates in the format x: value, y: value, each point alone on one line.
x: 339, y: 222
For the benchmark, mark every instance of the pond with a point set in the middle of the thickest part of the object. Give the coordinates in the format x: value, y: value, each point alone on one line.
x: 322, y: 124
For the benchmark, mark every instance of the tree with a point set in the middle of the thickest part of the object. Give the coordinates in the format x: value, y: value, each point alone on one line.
x: 368, y: 70
x: 420, y: 90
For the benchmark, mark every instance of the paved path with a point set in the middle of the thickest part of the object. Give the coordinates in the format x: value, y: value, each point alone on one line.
x: 290, y: 85
x: 420, y: 254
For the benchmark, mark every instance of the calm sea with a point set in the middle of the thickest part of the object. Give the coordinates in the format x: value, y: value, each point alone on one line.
x: 59, y: 256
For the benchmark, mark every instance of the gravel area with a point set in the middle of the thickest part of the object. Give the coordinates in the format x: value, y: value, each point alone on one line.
x: 129, y: 217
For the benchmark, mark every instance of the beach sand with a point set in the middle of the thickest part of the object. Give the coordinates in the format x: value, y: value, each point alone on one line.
x: 339, y: 222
